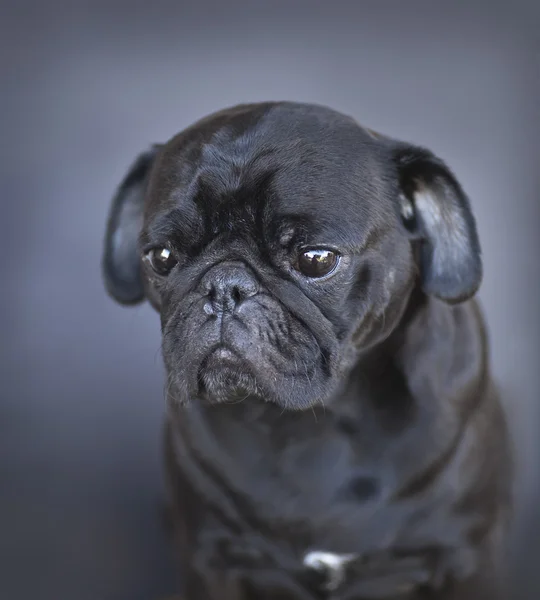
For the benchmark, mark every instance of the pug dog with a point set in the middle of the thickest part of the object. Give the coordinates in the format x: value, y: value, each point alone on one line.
x: 333, y: 430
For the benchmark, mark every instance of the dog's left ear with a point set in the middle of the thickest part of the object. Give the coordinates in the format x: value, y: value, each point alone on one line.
x: 437, y: 213
x: 121, y: 262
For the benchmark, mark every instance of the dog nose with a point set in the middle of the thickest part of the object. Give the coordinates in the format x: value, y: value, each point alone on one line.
x: 227, y: 285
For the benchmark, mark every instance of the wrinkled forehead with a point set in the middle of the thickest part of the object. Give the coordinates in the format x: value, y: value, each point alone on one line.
x: 312, y: 176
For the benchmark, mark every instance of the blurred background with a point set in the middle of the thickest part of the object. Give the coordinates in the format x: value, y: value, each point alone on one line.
x: 84, y: 87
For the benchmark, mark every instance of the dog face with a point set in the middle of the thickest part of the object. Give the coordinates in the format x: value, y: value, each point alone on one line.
x: 279, y: 241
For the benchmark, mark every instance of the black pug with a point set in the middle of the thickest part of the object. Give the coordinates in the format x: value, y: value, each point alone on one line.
x: 333, y: 430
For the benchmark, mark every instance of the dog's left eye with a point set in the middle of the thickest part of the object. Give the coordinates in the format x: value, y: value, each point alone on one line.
x: 317, y: 262
x: 161, y: 260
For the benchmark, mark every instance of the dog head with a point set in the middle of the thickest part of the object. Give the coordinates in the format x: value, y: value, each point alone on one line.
x: 278, y: 241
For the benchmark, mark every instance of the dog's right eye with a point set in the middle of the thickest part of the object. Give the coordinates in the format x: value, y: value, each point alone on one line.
x: 161, y: 260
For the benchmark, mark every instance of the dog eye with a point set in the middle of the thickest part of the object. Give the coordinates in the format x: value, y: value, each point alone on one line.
x: 161, y: 260
x: 317, y: 262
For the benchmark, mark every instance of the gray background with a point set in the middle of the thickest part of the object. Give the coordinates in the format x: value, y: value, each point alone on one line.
x: 84, y: 88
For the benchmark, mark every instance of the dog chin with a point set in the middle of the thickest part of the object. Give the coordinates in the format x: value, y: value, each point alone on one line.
x: 224, y: 378
x: 226, y: 385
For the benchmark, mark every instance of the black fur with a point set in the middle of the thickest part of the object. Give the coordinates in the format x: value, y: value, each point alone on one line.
x: 353, y: 414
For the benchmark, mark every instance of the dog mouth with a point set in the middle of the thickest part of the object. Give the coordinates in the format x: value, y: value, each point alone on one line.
x: 261, y: 353
x: 224, y: 377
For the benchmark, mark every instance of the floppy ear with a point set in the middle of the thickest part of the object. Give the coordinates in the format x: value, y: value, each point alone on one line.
x: 436, y: 212
x: 121, y: 262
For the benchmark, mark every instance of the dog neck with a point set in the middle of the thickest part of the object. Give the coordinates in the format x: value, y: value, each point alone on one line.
x: 399, y: 416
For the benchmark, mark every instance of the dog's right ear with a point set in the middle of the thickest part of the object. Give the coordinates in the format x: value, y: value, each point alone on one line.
x: 121, y: 262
